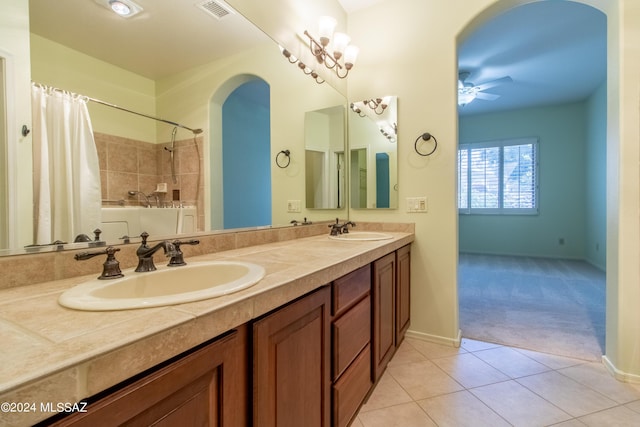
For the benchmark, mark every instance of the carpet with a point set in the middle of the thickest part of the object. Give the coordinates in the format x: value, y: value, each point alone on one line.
x: 549, y: 305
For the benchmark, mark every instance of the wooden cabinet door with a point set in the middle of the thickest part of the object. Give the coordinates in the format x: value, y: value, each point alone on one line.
x: 291, y: 357
x: 208, y: 387
x: 384, y: 289
x: 403, y: 292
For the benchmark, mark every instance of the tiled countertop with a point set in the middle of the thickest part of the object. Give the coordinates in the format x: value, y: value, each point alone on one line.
x: 53, y: 354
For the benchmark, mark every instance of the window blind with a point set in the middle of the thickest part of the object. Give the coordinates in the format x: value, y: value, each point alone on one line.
x: 498, y: 177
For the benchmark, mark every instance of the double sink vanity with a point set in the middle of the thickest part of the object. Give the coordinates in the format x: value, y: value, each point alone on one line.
x: 299, y: 327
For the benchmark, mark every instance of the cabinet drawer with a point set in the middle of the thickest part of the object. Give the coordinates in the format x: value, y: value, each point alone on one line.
x: 351, y: 333
x: 351, y: 389
x: 350, y: 288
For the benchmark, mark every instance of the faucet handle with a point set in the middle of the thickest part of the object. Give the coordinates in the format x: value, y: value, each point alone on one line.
x: 178, y: 259
x: 110, y: 268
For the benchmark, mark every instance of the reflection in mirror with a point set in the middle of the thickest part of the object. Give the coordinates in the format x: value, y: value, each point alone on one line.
x: 324, y: 132
x: 373, y: 175
x: 132, y: 150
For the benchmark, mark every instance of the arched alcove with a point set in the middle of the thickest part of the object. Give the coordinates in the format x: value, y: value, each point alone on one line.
x: 499, y: 8
x: 239, y: 178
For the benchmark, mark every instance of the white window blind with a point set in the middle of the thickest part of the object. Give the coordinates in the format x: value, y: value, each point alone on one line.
x: 498, y: 177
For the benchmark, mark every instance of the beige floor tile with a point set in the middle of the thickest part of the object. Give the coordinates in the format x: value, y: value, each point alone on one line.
x: 423, y: 379
x: 356, y: 423
x: 473, y: 345
x: 571, y: 423
x: 634, y: 406
x: 405, y: 415
x: 519, y: 405
x: 470, y: 371
x: 433, y: 350
x: 551, y: 360
x: 406, y: 353
x: 618, y: 416
x: 509, y: 361
x: 596, y: 376
x: 567, y: 394
x: 387, y: 393
x: 460, y: 409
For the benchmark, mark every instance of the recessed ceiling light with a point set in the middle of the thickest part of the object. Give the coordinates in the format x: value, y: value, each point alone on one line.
x: 120, y: 8
x: 124, y: 8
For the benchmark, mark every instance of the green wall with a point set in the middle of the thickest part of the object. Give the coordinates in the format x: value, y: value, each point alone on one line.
x: 596, y: 202
x: 562, y: 131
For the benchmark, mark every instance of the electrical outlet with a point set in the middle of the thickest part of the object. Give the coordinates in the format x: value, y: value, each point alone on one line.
x: 293, y: 206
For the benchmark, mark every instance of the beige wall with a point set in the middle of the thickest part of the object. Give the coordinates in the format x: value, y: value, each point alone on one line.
x: 56, y: 65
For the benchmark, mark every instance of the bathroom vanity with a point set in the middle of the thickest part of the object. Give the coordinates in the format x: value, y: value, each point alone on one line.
x: 302, y: 344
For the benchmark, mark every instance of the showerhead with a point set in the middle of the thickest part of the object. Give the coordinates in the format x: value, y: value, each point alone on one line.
x: 197, y: 131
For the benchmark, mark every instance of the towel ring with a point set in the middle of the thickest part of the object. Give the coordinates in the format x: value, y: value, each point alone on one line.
x: 287, y: 154
x: 426, y: 137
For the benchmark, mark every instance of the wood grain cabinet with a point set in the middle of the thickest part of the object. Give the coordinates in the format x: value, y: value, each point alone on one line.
x: 291, y: 360
x: 351, y: 344
x: 208, y: 387
x: 391, y: 305
x: 403, y: 292
x: 384, y: 312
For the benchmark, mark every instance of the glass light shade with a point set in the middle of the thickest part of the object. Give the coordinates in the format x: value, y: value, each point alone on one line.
x: 326, y: 25
x: 350, y: 55
x: 340, y: 42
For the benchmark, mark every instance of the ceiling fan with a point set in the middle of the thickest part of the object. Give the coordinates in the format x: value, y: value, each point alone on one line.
x: 467, y: 91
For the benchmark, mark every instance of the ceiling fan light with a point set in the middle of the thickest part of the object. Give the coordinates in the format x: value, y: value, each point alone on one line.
x: 465, y: 98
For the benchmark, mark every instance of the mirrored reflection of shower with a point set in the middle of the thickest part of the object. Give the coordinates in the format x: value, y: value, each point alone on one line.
x: 172, y: 158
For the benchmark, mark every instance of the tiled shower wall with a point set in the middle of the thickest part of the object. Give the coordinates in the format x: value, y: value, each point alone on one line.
x: 127, y: 164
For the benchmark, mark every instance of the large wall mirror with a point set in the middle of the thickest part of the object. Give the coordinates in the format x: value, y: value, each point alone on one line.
x: 184, y: 97
x: 373, y: 167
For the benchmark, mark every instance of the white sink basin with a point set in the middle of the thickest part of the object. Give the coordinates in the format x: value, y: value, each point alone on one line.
x: 165, y: 286
x: 362, y: 236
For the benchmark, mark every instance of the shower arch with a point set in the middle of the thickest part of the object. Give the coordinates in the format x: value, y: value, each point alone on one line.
x: 215, y: 216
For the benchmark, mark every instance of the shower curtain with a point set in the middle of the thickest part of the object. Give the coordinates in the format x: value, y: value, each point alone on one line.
x: 66, y: 177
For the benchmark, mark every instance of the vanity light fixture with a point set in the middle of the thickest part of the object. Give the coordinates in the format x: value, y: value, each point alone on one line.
x: 341, y: 49
x: 377, y: 105
x: 123, y: 8
x: 308, y: 71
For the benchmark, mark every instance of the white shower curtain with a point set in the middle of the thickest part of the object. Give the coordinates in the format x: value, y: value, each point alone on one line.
x: 66, y: 177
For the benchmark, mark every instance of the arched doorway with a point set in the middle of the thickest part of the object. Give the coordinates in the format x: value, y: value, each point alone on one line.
x: 532, y: 235
x: 240, y: 154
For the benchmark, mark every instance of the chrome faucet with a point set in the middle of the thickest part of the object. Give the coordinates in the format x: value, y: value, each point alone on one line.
x: 145, y: 253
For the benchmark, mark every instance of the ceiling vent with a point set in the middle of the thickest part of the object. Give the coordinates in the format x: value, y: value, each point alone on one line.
x: 217, y: 9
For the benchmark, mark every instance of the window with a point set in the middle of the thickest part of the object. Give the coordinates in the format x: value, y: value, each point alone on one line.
x: 498, y: 177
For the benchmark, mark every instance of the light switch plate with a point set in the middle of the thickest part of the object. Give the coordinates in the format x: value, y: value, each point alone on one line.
x: 293, y: 206
x: 417, y: 204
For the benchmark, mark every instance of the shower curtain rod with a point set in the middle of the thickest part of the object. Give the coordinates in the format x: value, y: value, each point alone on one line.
x: 98, y: 101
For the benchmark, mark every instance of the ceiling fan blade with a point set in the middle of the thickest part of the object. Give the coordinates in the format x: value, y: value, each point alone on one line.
x: 487, y: 96
x: 494, y: 83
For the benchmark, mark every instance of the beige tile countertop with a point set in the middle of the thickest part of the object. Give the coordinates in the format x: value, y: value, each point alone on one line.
x: 50, y: 353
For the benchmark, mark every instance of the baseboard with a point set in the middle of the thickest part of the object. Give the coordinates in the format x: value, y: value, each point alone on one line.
x: 618, y: 374
x: 437, y: 339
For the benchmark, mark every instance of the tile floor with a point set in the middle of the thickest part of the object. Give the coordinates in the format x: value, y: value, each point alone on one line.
x: 482, y: 384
